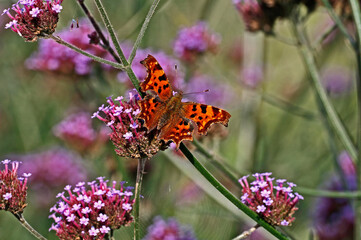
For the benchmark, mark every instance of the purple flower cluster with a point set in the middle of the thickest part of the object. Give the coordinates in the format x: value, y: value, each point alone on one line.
x: 337, y: 80
x: 252, y: 76
x: 52, y: 169
x: 53, y: 57
x: 92, y: 214
x: 194, y: 41
x: 334, y: 217
x: 168, y: 64
x: 78, y: 132
x: 128, y: 136
x: 34, y: 18
x: 12, y: 188
x: 170, y: 229
x: 276, y: 204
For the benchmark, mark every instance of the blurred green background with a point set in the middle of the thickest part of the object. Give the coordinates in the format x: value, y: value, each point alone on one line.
x: 261, y: 136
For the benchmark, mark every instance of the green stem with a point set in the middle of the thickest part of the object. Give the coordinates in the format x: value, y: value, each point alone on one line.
x: 338, y: 22
x: 246, y: 233
x: 78, y: 50
x: 355, y: 6
x: 28, y: 227
x: 138, y: 187
x: 142, y: 31
x: 334, y: 119
x: 228, y: 194
x: 111, y: 31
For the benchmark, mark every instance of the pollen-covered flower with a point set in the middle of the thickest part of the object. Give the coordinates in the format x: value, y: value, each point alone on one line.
x: 34, y: 19
x: 194, y: 41
x: 92, y: 213
x: 334, y: 218
x: 52, y: 169
x: 276, y: 204
x: 54, y: 57
x: 13, y: 188
x: 168, y: 229
x: 128, y: 136
x: 78, y: 132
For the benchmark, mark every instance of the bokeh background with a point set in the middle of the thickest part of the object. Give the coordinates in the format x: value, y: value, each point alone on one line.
x: 258, y: 79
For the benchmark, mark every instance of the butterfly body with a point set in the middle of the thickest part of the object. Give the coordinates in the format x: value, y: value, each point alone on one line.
x: 166, y: 111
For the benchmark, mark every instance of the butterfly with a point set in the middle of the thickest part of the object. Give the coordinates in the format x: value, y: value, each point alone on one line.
x: 166, y: 111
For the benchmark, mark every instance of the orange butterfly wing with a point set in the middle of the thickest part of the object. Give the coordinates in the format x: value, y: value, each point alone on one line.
x: 177, y: 131
x: 205, y: 115
x: 156, y: 79
x: 151, y: 111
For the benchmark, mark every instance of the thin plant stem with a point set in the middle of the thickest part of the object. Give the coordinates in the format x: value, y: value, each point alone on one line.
x: 355, y: 6
x: 97, y: 28
x: 246, y: 233
x: 111, y: 31
x: 142, y: 31
x: 138, y: 187
x: 338, y: 22
x: 335, y: 121
x: 212, y: 180
x: 78, y: 50
x: 112, y: 234
x: 28, y: 227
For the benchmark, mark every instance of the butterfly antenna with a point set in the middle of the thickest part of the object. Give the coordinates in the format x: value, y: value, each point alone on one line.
x: 204, y: 91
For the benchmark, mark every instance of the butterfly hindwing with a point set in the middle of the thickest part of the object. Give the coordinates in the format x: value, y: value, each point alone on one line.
x: 205, y: 115
x: 177, y: 131
x: 156, y: 79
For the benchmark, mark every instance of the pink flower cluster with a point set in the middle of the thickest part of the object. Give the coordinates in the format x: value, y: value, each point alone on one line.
x: 78, y: 132
x: 92, y: 214
x: 128, y: 135
x: 194, y: 41
x: 34, y: 18
x: 12, y: 188
x: 54, y: 57
x: 276, y: 204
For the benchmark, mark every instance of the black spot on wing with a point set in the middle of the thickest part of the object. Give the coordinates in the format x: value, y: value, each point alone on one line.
x: 157, y: 67
x: 165, y: 86
x: 159, y: 90
x: 200, y: 118
x: 215, y: 110
x: 193, y: 115
x: 204, y: 108
x: 194, y: 109
x: 163, y: 77
x: 155, y: 84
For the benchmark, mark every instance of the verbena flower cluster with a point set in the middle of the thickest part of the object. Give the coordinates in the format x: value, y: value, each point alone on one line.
x: 92, y: 214
x: 51, y: 170
x: 34, y: 19
x: 261, y: 15
x: 128, y: 136
x: 275, y: 204
x: 54, y: 57
x: 334, y: 218
x: 194, y: 41
x: 13, y: 188
x: 168, y: 230
x: 78, y: 132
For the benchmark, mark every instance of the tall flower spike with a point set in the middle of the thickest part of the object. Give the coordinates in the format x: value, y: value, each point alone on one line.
x: 34, y: 19
x: 93, y: 213
x: 276, y: 204
x: 128, y: 136
x: 12, y: 188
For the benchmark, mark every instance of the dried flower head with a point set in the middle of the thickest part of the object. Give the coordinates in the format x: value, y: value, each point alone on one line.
x: 93, y: 213
x: 54, y: 57
x: 334, y: 218
x: 13, y: 188
x: 276, y: 204
x: 128, y: 136
x: 194, y: 41
x: 34, y: 19
x: 169, y: 229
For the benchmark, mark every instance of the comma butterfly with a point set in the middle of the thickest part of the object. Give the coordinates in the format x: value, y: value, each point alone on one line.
x: 168, y: 113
